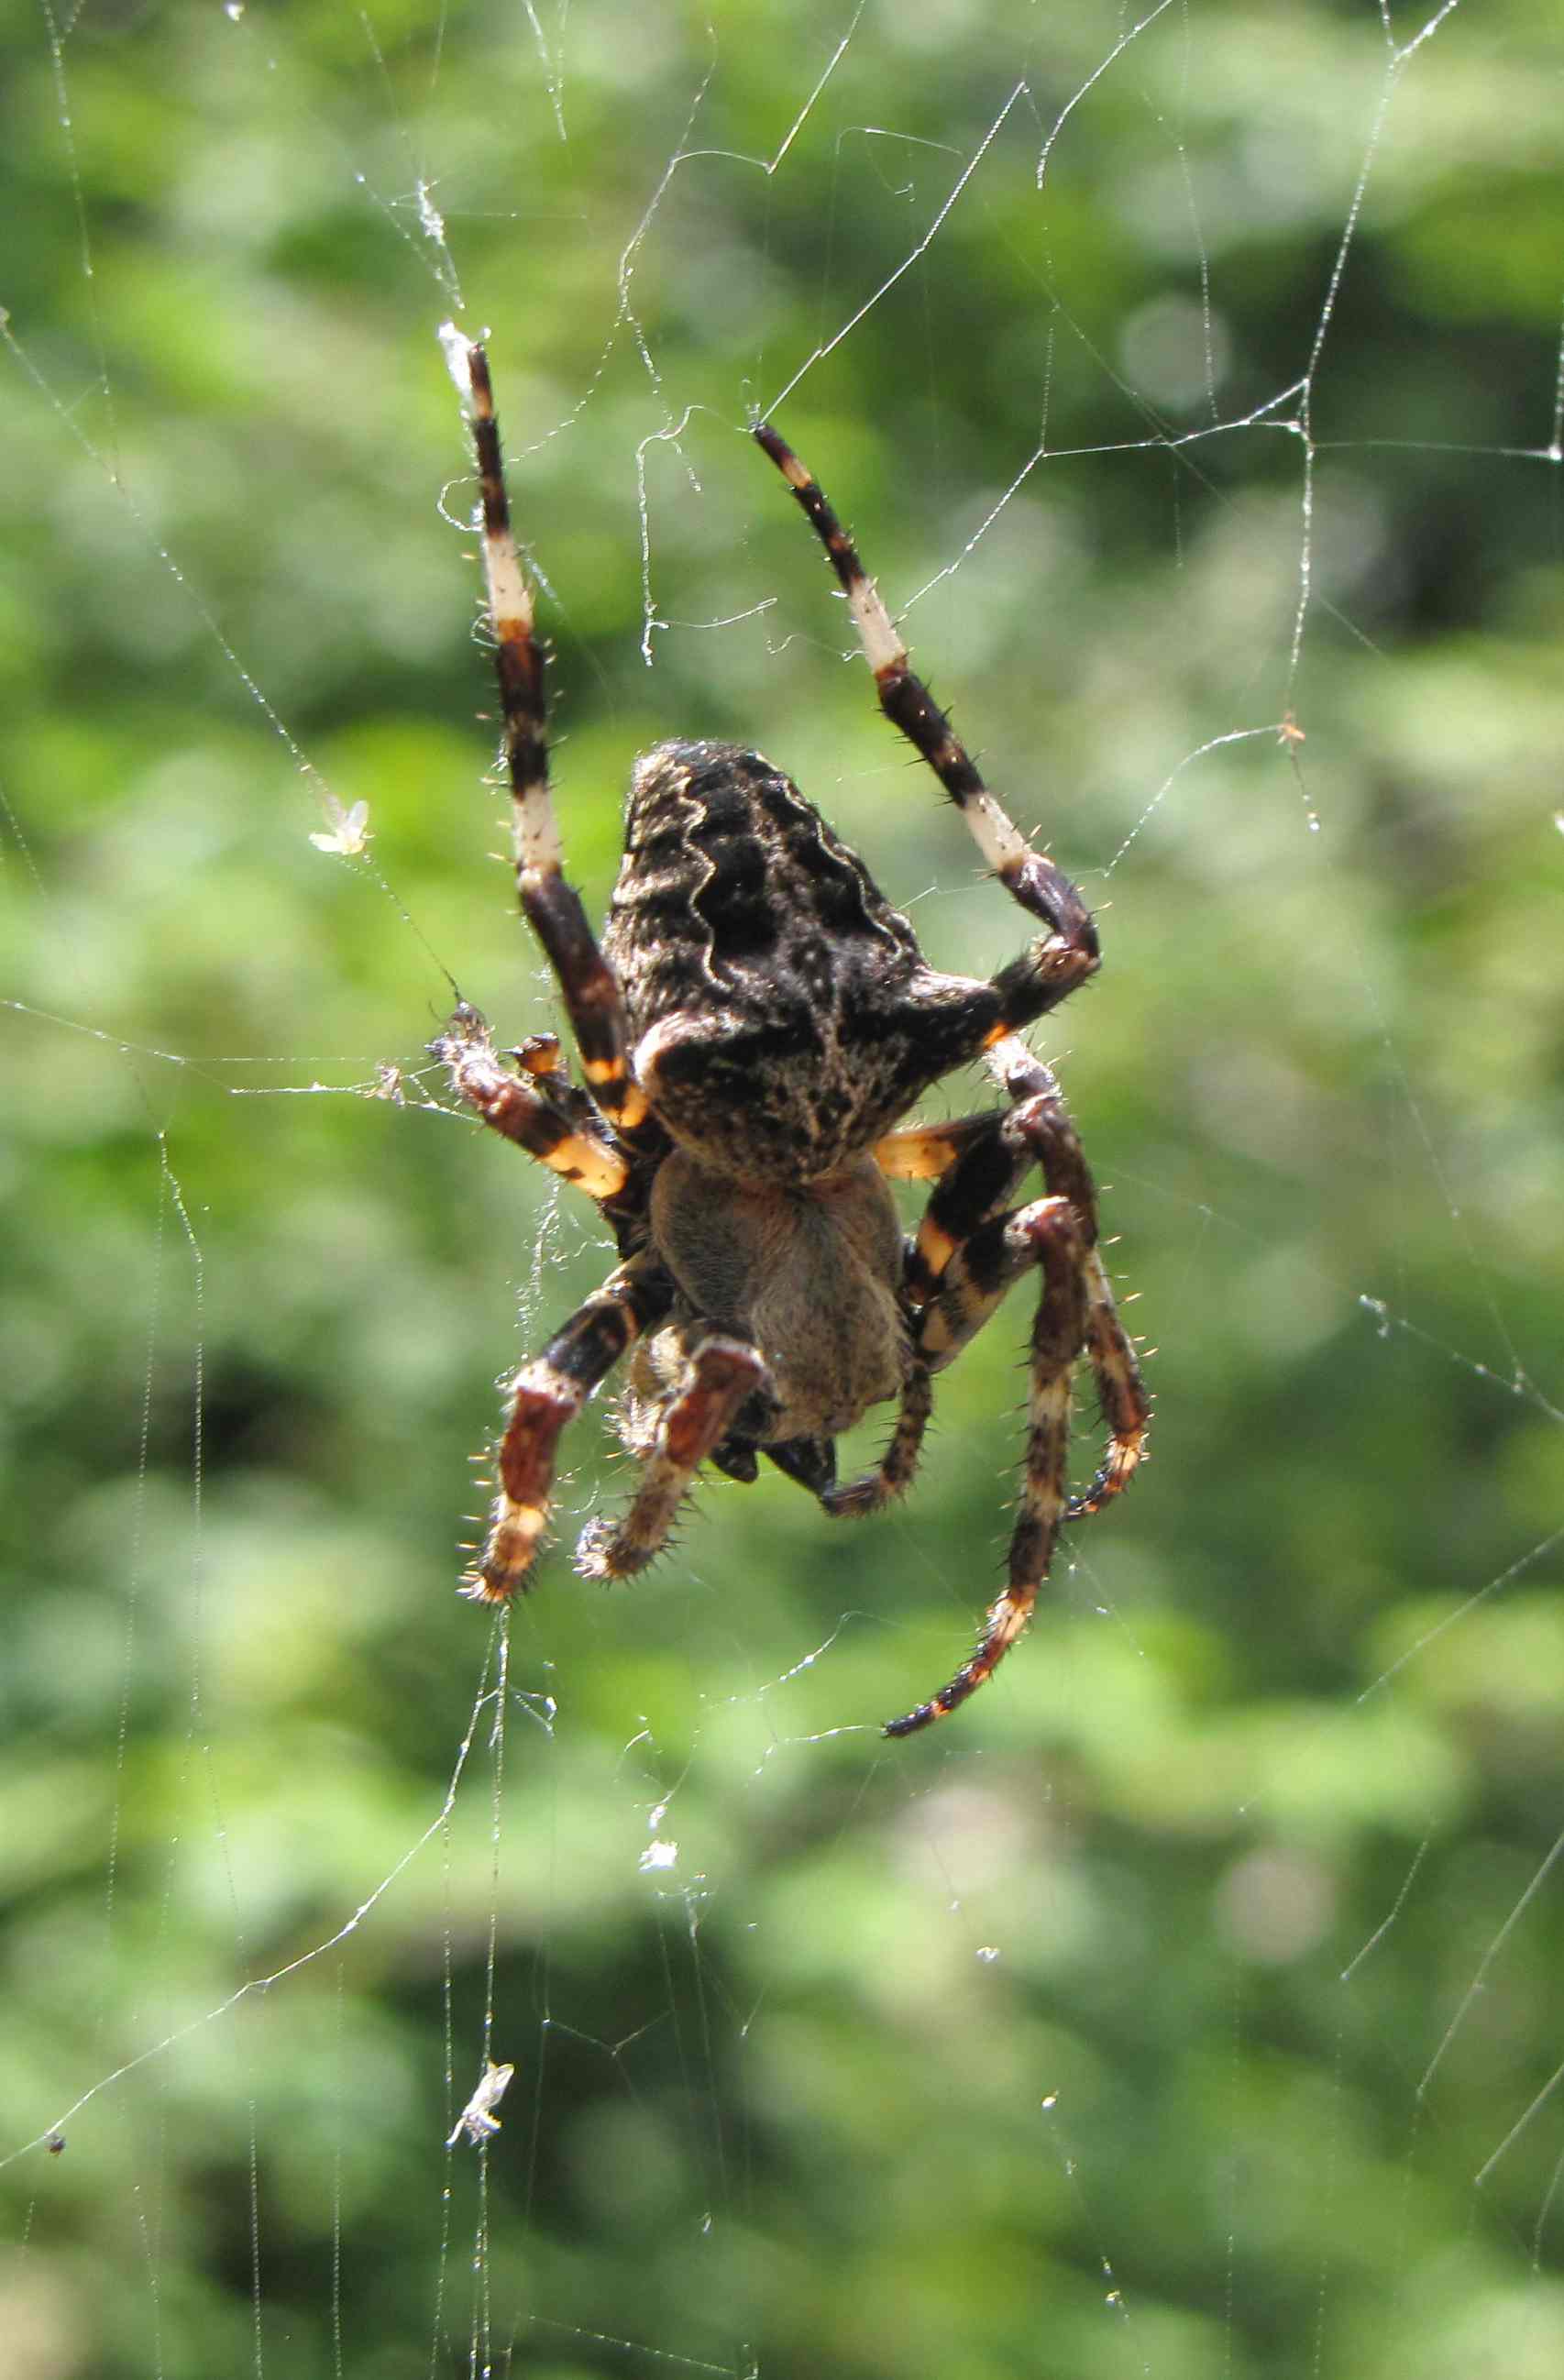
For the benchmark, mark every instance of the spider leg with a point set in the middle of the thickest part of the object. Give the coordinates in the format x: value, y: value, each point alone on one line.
x: 1048, y: 1235
x: 989, y: 1262
x: 554, y: 911
x: 719, y: 1374
x: 546, y: 1394
x: 892, y: 1476
x: 541, y: 1060
x: 1042, y: 1120
x: 1063, y: 957
x: 548, y: 1117
x: 990, y: 1155
x: 968, y: 1252
x: 922, y: 1152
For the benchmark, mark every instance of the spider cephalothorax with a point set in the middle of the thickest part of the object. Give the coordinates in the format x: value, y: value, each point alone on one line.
x: 754, y: 1027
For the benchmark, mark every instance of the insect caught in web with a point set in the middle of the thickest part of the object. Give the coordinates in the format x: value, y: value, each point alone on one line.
x: 753, y: 1028
x: 478, y: 2122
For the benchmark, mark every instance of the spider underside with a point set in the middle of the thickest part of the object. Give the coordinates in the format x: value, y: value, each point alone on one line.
x: 753, y: 1030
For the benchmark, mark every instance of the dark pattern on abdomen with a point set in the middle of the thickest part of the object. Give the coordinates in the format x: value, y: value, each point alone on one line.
x: 812, y: 1019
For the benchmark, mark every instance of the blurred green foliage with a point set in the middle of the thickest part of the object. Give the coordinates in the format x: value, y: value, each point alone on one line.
x: 1093, y: 2033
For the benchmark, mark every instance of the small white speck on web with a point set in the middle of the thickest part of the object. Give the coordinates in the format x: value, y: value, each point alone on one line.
x: 349, y: 830
x: 657, y: 1855
x: 430, y: 216
x: 456, y: 345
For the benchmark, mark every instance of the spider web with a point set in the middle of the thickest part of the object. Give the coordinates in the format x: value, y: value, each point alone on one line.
x: 1189, y: 2004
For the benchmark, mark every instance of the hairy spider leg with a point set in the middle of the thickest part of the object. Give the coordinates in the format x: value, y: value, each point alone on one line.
x: 968, y: 1251
x: 1047, y: 1234
x: 545, y: 1395
x: 552, y: 908
x: 966, y: 1255
x: 719, y: 1374
x: 1041, y: 1120
x: 554, y: 1122
x: 915, y: 1155
x: 978, y: 1161
x: 1067, y: 955
x: 893, y: 1474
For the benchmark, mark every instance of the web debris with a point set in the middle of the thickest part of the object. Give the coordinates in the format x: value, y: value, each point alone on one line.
x: 478, y: 2122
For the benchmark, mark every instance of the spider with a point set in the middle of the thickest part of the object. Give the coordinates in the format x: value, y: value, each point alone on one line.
x: 753, y: 1027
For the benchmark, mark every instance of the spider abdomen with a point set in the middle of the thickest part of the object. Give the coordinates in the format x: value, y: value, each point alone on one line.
x: 772, y: 1264
x: 782, y: 1012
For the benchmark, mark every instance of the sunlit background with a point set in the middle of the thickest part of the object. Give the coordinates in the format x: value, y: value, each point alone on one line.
x: 1190, y: 2004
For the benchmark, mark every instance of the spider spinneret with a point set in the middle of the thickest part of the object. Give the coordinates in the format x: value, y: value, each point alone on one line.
x: 753, y: 1028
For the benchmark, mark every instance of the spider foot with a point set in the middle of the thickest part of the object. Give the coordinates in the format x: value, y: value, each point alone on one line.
x: 544, y: 1399
x: 1114, y: 1474
x: 545, y: 1396
x: 893, y: 1474
x: 1057, y: 1336
x: 872, y: 1491
x: 855, y: 1498
x: 1007, y: 1620
x: 1126, y: 1407
x: 516, y: 1530
x: 721, y: 1374
x: 602, y: 1553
